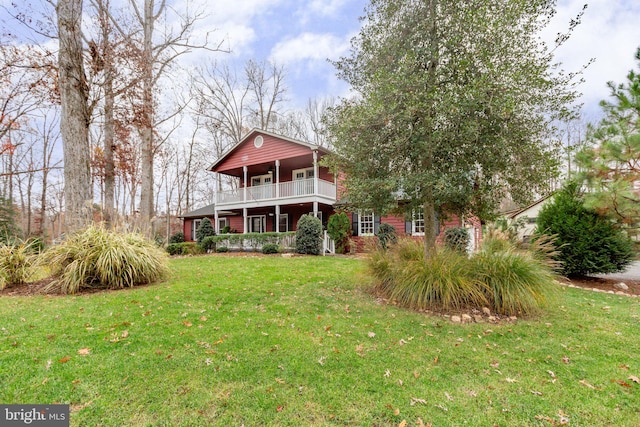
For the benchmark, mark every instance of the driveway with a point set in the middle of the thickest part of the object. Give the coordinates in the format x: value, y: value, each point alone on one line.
x: 632, y: 273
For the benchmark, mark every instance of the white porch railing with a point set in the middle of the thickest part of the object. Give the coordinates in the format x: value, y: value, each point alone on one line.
x: 328, y: 244
x: 289, y: 189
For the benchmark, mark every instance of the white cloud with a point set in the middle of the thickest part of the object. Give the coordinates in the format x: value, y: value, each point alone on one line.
x: 610, y: 34
x: 308, y: 46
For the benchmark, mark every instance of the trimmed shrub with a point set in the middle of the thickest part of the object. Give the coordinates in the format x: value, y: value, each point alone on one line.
x: 457, y: 239
x: 100, y: 258
x: 205, y: 229
x: 270, y: 248
x: 184, y: 248
x: 339, y: 229
x: 208, y: 244
x: 515, y: 283
x: 177, y: 237
x: 222, y: 249
x: 387, y: 235
x: 309, y: 235
x: 588, y: 243
x: 17, y: 263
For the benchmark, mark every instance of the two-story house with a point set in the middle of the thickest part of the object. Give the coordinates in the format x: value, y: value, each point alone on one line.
x: 276, y: 180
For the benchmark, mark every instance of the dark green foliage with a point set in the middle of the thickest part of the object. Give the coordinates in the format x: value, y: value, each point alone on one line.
x: 226, y: 229
x: 270, y: 248
x: 222, y: 249
x: 339, y: 229
x: 204, y: 230
x: 588, y: 242
x: 8, y: 229
x: 308, y: 235
x: 209, y: 243
x: 177, y: 237
x: 387, y: 235
x: 457, y: 239
x: 184, y: 248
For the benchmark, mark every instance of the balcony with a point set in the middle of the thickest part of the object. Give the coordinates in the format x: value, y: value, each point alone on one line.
x: 298, y: 191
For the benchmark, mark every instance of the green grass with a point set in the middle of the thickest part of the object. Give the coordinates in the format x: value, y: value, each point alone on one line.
x: 233, y: 341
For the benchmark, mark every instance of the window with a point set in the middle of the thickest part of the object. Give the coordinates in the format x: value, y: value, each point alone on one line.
x: 257, y: 224
x: 366, y: 224
x: 303, y: 181
x: 222, y: 223
x: 283, y: 223
x: 417, y: 225
x: 319, y: 216
x: 261, y: 188
x: 194, y: 227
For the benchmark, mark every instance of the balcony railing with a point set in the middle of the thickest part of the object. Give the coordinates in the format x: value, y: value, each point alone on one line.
x: 283, y: 190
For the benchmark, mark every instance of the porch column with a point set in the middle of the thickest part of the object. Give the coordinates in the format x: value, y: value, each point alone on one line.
x: 277, y: 218
x: 277, y: 180
x: 216, y: 226
x: 216, y: 180
x: 315, y: 209
x: 315, y: 174
x: 244, y: 220
x: 244, y: 189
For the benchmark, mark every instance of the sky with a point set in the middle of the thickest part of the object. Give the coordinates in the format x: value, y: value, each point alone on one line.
x: 303, y: 35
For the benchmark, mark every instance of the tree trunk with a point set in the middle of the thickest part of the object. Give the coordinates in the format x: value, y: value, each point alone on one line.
x: 146, y: 130
x: 74, y: 121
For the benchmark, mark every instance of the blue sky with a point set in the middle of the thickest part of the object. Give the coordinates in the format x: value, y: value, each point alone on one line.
x: 302, y: 35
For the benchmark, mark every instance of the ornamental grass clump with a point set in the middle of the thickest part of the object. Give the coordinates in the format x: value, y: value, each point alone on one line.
x: 445, y: 281
x: 18, y: 261
x: 100, y: 258
x: 515, y: 282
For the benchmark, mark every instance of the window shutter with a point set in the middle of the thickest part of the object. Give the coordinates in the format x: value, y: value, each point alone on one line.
x: 376, y: 224
x: 407, y: 227
x: 354, y: 224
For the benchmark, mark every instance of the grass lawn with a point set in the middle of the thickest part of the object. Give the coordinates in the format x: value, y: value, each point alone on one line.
x: 298, y: 341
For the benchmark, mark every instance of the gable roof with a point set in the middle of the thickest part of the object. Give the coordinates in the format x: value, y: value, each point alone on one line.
x: 208, y: 210
x: 253, y: 133
x: 515, y: 213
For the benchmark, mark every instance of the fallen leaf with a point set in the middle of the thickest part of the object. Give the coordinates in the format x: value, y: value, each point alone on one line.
x: 187, y: 323
x: 75, y: 381
x: 203, y: 318
x: 415, y: 400
x: 585, y: 383
x: 537, y: 393
x: 396, y: 412
x: 435, y: 360
x: 387, y: 373
x: 64, y: 359
x: 279, y: 408
x: 416, y: 374
x: 634, y: 379
x: 622, y: 383
x: 403, y: 423
x: 448, y: 396
x: 280, y: 381
x: 510, y: 380
x: 84, y: 351
x: 565, y: 359
x: 371, y: 334
x: 48, y: 364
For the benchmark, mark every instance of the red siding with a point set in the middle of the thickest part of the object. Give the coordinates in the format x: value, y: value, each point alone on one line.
x: 272, y: 149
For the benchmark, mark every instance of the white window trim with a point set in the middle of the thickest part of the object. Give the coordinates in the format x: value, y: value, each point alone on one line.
x: 194, y: 227
x: 223, y: 222
x: 262, y: 178
x: 286, y: 217
x: 306, y: 171
x: 263, y: 223
x: 414, y: 225
x: 360, y: 223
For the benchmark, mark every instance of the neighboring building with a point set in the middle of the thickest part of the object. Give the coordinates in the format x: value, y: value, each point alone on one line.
x: 527, y: 217
x: 279, y: 179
